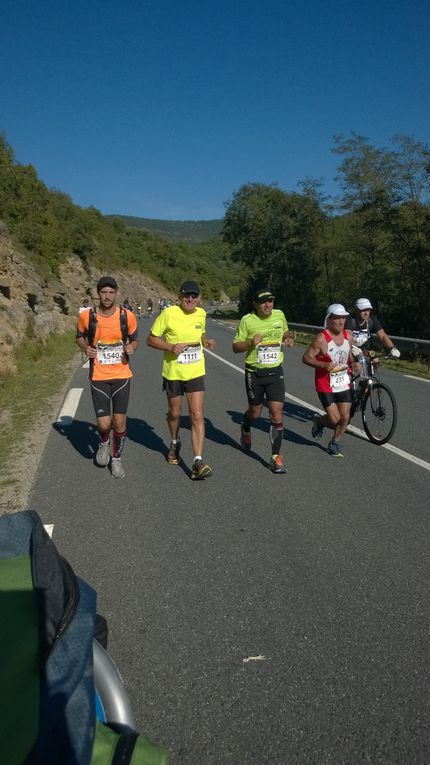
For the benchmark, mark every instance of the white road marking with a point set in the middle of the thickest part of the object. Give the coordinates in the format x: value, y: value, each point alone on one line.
x: 70, y: 406
x: 351, y: 428
x: 49, y: 527
x: 260, y: 657
x: 420, y: 379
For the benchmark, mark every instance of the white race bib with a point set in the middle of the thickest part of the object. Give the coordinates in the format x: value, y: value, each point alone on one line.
x: 190, y: 355
x: 269, y: 355
x: 109, y: 354
x: 339, y: 380
x: 360, y: 336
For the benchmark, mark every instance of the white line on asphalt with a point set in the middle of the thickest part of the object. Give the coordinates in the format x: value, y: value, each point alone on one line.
x: 420, y: 379
x: 351, y: 428
x: 70, y: 406
x: 49, y: 528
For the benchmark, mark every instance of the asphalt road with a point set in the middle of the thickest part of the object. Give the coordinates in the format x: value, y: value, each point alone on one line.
x: 256, y: 618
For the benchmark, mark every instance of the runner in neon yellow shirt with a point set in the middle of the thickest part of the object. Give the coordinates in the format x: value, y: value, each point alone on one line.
x: 180, y: 332
x: 260, y: 335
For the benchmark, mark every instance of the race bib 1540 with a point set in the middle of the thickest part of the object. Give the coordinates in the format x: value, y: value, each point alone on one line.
x: 109, y: 354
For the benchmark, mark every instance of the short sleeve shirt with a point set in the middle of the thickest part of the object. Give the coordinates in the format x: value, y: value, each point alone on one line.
x: 272, y: 328
x: 361, y: 333
x: 177, y: 326
x: 110, y: 363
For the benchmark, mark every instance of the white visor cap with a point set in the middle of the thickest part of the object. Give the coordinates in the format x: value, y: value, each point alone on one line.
x: 362, y: 304
x: 335, y: 309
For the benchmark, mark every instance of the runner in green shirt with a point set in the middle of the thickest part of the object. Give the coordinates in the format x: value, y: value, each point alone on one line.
x: 260, y: 335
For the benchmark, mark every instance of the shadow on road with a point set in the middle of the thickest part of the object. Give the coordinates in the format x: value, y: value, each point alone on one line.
x: 83, y: 436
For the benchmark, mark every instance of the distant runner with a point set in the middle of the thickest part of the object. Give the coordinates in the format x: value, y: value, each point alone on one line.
x: 180, y: 331
x: 260, y: 335
x: 108, y: 336
x: 330, y: 355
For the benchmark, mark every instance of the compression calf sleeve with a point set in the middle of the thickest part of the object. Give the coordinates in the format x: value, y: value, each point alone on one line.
x: 276, y: 436
x: 118, y: 443
x: 246, y: 423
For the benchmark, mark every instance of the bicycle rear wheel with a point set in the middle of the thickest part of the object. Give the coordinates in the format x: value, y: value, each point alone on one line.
x: 379, y: 413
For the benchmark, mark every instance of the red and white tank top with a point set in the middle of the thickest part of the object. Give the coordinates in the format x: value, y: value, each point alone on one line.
x: 338, y: 379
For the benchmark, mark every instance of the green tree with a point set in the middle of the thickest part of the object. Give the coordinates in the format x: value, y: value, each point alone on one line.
x: 273, y: 233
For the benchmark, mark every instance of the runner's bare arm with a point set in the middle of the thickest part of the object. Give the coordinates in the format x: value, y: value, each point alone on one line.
x: 288, y: 339
x: 208, y: 342
x: 162, y: 345
x: 89, y: 351
x: 244, y: 345
x: 317, y: 346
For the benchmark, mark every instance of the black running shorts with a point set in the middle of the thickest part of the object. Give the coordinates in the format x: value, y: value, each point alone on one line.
x: 343, y: 397
x: 260, y: 383
x: 175, y: 388
x: 106, y: 391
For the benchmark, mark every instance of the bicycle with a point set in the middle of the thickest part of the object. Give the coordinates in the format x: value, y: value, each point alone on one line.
x: 376, y: 402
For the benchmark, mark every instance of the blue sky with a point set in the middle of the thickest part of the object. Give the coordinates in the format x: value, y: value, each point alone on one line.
x: 164, y: 109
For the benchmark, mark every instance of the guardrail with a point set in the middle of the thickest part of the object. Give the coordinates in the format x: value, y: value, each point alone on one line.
x: 413, y: 344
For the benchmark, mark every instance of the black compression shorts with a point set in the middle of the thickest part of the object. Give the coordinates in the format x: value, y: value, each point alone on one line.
x: 260, y: 383
x: 343, y: 397
x: 106, y: 391
x: 175, y: 388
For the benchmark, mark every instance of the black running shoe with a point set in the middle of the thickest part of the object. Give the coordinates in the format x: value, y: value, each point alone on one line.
x: 200, y: 470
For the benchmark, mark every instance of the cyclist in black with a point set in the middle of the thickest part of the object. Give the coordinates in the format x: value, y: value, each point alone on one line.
x: 363, y: 325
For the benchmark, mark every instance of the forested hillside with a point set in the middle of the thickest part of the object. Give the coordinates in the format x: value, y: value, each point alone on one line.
x: 51, y: 227
x: 188, y: 231
x: 373, y: 241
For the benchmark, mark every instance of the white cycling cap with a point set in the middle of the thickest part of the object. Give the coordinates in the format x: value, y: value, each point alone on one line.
x: 335, y: 309
x: 363, y: 303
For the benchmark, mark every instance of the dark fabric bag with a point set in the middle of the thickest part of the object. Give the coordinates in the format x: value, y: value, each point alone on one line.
x: 47, y: 694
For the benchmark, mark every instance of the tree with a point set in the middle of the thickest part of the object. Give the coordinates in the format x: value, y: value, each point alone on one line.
x: 274, y: 233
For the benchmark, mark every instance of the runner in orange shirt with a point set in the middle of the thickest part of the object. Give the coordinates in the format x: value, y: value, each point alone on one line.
x: 108, y: 336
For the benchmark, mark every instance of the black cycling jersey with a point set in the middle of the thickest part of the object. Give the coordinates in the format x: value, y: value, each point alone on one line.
x: 362, y: 333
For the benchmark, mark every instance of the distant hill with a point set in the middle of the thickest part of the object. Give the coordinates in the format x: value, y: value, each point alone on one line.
x: 189, y: 231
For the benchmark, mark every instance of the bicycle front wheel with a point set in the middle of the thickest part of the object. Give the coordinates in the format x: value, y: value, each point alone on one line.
x: 379, y: 413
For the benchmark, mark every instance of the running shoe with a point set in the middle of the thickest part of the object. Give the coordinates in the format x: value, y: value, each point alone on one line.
x: 317, y: 428
x: 200, y: 470
x: 335, y: 449
x: 173, y: 453
x: 276, y: 464
x: 103, y: 454
x: 245, y: 438
x: 117, y: 468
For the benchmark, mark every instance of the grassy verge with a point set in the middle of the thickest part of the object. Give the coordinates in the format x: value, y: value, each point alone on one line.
x: 43, y: 368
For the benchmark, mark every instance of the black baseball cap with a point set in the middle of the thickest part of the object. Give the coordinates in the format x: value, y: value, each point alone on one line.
x: 264, y: 294
x: 189, y: 287
x: 106, y: 281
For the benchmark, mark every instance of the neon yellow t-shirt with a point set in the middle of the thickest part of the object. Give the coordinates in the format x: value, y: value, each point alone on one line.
x: 176, y: 326
x: 269, y: 352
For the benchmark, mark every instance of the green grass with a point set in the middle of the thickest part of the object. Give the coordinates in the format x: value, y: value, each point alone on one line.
x: 43, y: 368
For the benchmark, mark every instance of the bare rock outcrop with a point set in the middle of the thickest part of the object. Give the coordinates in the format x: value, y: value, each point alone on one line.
x: 31, y: 304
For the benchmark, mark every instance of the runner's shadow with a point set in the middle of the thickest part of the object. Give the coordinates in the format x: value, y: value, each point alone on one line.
x: 262, y: 424
x: 83, y: 436
x: 141, y: 432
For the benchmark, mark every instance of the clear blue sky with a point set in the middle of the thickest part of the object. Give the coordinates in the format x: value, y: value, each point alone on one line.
x: 163, y: 109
